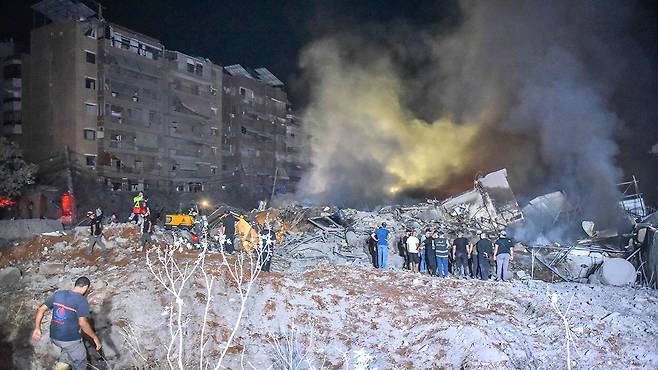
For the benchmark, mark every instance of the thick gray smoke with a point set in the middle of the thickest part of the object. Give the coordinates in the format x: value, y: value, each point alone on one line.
x: 519, y: 84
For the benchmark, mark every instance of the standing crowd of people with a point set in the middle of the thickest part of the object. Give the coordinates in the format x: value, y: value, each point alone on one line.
x: 436, y: 254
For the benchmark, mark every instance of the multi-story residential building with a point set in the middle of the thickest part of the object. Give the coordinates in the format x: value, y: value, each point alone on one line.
x: 10, y: 90
x: 139, y: 116
x: 261, y: 136
x: 136, y: 115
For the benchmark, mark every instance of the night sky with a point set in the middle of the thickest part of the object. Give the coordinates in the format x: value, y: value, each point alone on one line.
x: 252, y: 33
x: 272, y: 34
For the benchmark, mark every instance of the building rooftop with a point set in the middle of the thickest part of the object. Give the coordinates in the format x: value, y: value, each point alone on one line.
x: 57, y: 10
x: 261, y: 74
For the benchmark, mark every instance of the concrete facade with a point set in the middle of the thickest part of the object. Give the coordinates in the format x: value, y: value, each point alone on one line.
x: 261, y: 138
x: 117, y: 104
x: 10, y: 90
x: 125, y: 108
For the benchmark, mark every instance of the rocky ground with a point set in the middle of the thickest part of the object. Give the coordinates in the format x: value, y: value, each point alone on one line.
x: 330, y: 315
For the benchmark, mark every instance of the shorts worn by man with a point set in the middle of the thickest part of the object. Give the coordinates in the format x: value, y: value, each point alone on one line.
x: 70, y: 312
x: 412, y: 251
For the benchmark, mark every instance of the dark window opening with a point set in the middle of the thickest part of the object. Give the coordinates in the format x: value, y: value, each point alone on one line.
x: 90, y: 134
x: 12, y: 71
x: 90, y: 83
x: 243, y: 130
x: 90, y: 57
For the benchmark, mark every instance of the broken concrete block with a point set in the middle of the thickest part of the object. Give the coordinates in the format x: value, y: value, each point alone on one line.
x: 52, y: 268
x: 522, y: 275
x: 353, y: 239
x: 10, y: 277
x: 24, y: 229
x: 615, y: 271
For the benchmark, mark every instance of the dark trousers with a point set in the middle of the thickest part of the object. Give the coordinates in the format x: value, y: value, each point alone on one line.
x: 372, y: 248
x: 266, y: 260
x: 483, y: 264
x: 430, y: 258
x: 461, y: 267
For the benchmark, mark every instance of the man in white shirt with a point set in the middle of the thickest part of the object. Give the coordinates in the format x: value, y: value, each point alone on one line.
x: 412, y: 251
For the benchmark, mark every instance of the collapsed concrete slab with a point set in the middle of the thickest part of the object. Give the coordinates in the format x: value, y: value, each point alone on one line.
x: 490, y: 205
x: 28, y: 228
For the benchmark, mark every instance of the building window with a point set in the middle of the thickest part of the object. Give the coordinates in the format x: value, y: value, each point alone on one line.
x: 12, y: 71
x: 90, y: 83
x: 90, y: 134
x: 199, y: 69
x: 90, y: 57
x: 214, y: 131
x: 116, y: 111
x: 190, y: 67
x: 243, y: 130
x: 90, y: 159
x: 213, y: 170
x: 91, y: 108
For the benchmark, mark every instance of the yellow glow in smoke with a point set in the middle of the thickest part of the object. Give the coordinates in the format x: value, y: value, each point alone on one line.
x: 357, y: 113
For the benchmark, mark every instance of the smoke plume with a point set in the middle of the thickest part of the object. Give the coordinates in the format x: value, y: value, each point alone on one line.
x: 524, y: 85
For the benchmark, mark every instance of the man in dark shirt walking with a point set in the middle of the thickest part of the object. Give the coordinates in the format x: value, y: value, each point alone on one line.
x: 96, y: 233
x: 147, y: 229
x: 503, y: 253
x: 461, y: 252
x: 70, y: 314
x: 485, y: 250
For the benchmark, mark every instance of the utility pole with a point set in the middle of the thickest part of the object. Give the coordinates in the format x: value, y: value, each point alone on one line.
x: 276, y: 172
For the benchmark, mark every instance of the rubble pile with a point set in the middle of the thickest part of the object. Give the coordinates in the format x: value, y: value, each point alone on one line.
x: 323, y: 283
x: 313, y: 236
x: 398, y: 318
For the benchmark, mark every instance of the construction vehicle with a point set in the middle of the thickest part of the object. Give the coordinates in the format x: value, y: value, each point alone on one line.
x: 178, y: 221
x: 181, y: 220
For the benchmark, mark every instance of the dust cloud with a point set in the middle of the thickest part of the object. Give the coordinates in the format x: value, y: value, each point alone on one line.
x: 524, y: 85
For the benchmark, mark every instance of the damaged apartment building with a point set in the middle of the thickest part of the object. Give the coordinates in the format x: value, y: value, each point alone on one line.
x: 262, y: 140
x: 138, y: 116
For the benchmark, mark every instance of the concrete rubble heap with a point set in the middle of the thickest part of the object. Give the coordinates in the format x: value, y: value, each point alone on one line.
x: 324, y: 285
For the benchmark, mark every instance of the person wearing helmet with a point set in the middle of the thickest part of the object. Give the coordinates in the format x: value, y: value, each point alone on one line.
x: 96, y: 233
x: 503, y: 253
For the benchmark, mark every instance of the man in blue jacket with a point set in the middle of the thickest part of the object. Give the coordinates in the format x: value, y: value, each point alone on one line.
x: 381, y: 235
